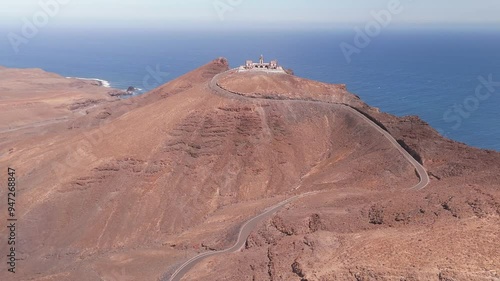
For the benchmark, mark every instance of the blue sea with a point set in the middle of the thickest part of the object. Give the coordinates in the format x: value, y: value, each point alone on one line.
x: 440, y: 75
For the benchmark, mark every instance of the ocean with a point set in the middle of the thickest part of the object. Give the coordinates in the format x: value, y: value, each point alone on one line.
x: 447, y: 77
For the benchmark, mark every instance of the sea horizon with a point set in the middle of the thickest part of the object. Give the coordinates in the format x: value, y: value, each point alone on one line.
x: 431, y: 73
x: 262, y: 140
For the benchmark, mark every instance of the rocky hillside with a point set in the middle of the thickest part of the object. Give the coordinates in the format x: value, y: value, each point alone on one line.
x: 135, y: 187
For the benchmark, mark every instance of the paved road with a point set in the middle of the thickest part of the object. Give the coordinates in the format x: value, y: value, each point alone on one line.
x: 420, y: 170
x: 245, y: 231
x: 248, y: 227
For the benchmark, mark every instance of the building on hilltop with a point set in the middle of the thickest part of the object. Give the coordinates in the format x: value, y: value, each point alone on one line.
x: 249, y: 64
x: 273, y: 65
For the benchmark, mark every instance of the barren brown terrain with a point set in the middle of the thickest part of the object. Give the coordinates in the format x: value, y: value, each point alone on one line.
x: 131, y: 189
x: 33, y: 97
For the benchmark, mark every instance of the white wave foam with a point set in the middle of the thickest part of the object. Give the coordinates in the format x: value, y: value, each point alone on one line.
x: 104, y: 83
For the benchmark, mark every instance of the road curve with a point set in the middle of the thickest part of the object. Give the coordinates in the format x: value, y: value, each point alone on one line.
x: 419, y: 169
x: 247, y: 228
x: 245, y: 231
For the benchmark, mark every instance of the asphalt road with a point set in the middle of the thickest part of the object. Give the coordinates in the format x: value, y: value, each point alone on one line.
x: 245, y: 231
x: 420, y: 170
x: 248, y: 227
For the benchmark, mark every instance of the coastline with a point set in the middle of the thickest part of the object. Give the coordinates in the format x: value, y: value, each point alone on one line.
x: 107, y: 84
x: 101, y: 82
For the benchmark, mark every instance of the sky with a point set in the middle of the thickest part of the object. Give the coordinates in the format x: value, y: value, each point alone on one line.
x: 244, y: 13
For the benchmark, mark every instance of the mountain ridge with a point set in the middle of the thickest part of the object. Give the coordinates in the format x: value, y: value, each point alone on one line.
x: 179, y: 169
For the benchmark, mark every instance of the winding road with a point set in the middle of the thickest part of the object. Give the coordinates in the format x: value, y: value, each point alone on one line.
x: 247, y: 228
x: 245, y: 231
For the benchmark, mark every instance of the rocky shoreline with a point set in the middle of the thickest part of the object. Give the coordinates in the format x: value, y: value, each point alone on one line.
x: 130, y: 91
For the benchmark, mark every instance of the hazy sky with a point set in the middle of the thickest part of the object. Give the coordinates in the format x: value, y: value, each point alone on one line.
x: 233, y: 13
